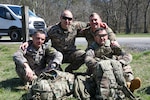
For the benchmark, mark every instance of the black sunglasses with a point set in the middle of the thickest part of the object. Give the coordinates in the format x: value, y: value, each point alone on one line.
x: 65, y: 18
x: 101, y: 35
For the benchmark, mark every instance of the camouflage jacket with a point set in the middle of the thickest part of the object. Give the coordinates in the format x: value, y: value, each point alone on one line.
x: 37, y: 59
x: 64, y: 40
x: 108, y: 51
x: 89, y: 34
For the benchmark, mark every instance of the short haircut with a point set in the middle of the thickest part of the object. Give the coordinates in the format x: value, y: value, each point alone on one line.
x: 39, y: 31
x: 93, y: 14
x: 98, y: 29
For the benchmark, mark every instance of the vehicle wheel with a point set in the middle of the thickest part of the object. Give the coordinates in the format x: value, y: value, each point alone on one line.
x: 15, y: 35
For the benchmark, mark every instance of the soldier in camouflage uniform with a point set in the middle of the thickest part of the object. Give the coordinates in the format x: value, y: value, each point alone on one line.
x: 63, y: 36
x: 36, y: 58
x: 96, y: 22
x: 103, y: 49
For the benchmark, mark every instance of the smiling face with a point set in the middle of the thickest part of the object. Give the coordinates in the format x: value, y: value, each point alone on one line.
x: 66, y: 19
x: 95, y: 21
x: 38, y: 39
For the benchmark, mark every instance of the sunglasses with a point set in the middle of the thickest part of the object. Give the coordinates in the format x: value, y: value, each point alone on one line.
x: 101, y: 35
x: 65, y: 18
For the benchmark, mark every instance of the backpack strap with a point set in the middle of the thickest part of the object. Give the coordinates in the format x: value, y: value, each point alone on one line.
x: 105, y: 79
x: 118, y: 72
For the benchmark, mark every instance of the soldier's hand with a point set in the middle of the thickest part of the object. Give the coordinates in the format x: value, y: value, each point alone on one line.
x: 29, y: 73
x: 24, y: 46
x: 50, y: 67
x: 103, y: 25
x: 115, y: 43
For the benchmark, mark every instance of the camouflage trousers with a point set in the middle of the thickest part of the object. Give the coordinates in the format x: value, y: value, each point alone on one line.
x: 128, y: 73
x: 20, y: 70
x: 75, y: 58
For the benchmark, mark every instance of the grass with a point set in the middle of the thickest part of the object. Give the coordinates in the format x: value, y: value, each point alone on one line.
x: 9, y: 80
x: 133, y: 35
x: 141, y: 68
x: 10, y: 83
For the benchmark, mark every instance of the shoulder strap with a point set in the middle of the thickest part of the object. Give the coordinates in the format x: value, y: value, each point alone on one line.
x: 118, y: 71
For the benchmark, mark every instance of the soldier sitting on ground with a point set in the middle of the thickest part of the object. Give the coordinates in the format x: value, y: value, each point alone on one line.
x: 36, y: 58
x: 103, y: 49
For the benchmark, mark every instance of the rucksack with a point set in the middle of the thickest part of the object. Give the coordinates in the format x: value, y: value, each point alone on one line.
x: 110, y: 82
x: 52, y: 85
x: 84, y: 88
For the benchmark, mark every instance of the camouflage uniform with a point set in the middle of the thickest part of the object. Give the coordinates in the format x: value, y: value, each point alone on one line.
x: 96, y: 53
x: 64, y: 41
x: 89, y: 34
x: 38, y: 60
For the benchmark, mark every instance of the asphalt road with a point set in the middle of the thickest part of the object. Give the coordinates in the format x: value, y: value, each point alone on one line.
x: 140, y: 44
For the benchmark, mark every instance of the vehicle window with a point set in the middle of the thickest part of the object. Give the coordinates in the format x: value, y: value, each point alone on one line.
x: 17, y: 11
x: 31, y: 13
x: 2, y: 12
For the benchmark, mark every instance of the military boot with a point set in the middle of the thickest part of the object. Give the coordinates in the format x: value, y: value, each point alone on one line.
x: 135, y: 84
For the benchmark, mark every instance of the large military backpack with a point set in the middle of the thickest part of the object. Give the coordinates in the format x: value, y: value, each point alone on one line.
x: 52, y: 85
x: 110, y: 82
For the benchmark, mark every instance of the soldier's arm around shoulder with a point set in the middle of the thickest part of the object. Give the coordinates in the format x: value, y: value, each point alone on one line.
x: 84, y: 32
x: 52, y: 30
x: 80, y: 24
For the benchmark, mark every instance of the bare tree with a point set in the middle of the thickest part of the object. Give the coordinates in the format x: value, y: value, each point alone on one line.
x: 145, y: 10
x: 111, y: 9
x: 136, y: 17
x: 129, y: 5
x: 121, y: 15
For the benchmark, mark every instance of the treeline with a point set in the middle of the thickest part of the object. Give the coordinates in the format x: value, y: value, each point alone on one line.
x: 129, y: 16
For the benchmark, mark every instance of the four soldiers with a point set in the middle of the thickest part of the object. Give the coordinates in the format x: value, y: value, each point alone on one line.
x: 36, y: 57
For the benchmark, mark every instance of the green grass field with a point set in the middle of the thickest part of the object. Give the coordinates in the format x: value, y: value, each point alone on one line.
x: 10, y: 83
x: 133, y: 35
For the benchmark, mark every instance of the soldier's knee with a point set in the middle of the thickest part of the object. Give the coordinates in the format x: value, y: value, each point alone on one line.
x: 127, y: 69
x: 80, y: 53
x: 128, y: 77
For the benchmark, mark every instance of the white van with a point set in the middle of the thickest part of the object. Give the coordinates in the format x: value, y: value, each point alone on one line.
x: 11, y: 24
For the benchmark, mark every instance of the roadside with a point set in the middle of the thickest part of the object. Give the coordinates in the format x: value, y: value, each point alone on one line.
x: 135, y: 43
x: 132, y: 43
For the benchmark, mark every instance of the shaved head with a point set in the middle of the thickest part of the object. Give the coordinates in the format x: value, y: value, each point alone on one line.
x: 67, y: 13
x: 66, y: 19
